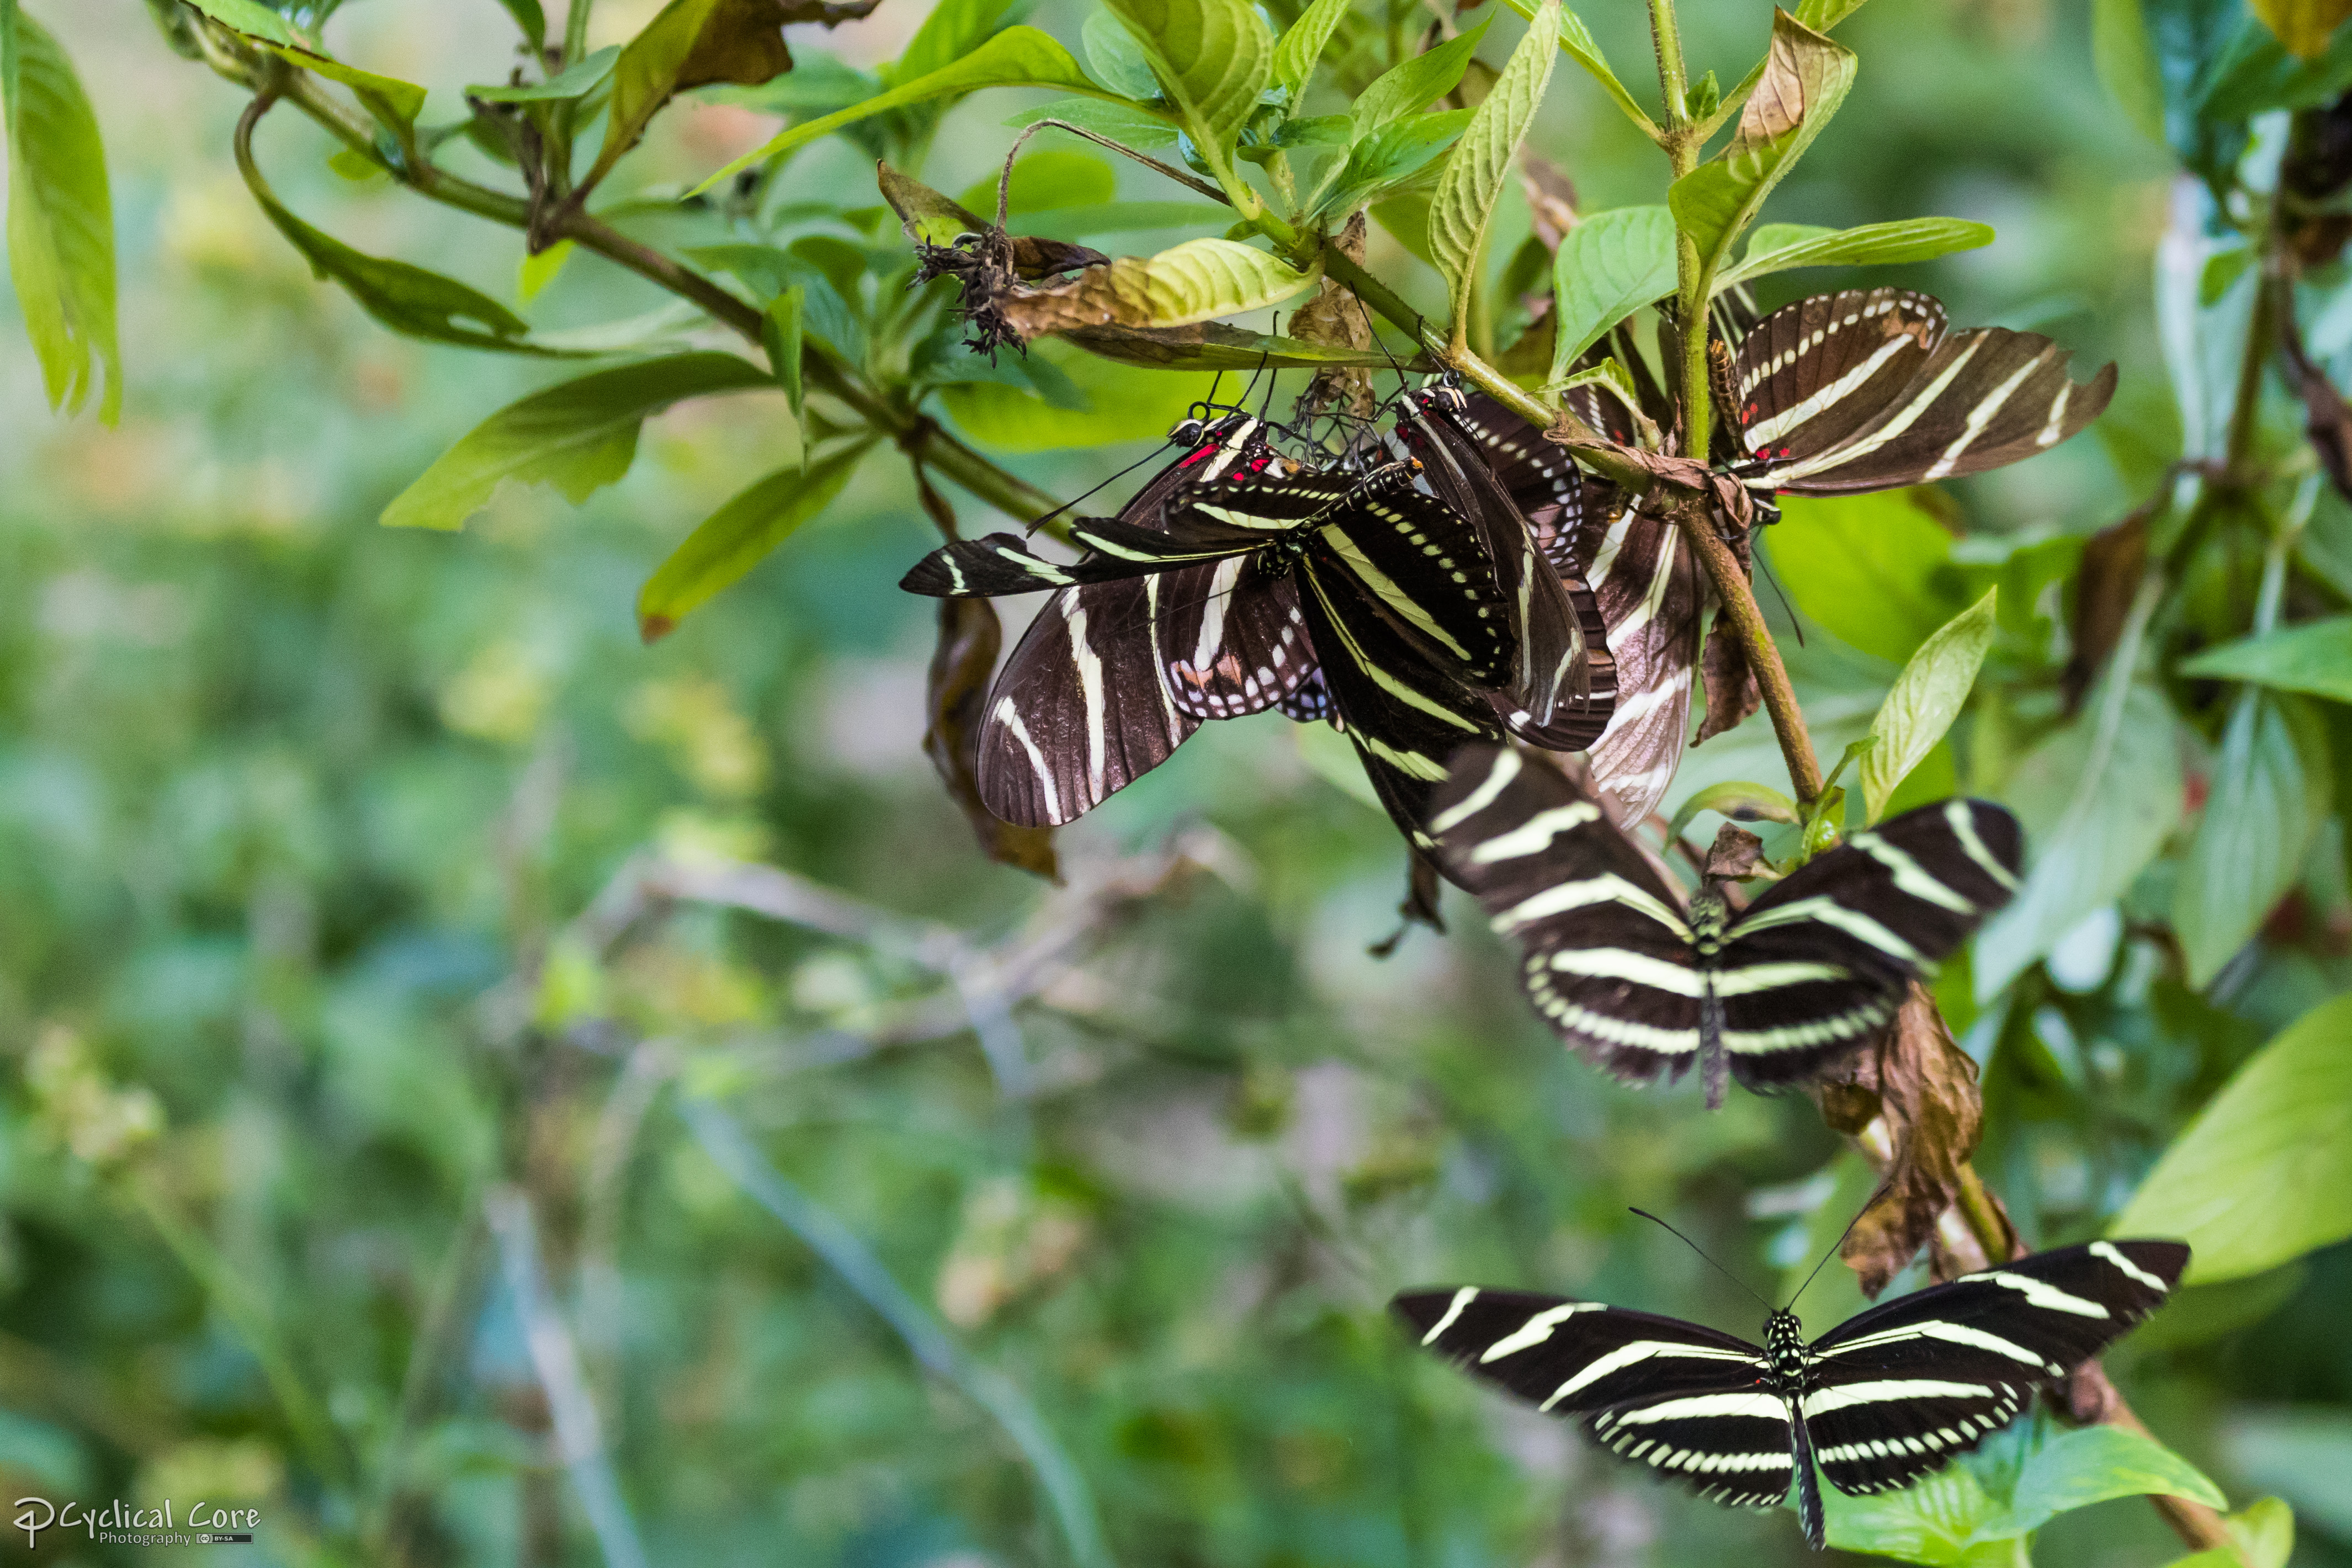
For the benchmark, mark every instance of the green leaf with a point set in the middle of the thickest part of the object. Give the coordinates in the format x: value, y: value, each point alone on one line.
x: 738, y: 536
x: 579, y: 79
x: 1128, y: 123
x: 2264, y: 1173
x: 393, y: 102
x: 1126, y: 402
x: 1740, y: 801
x: 1926, y: 698
x: 1214, y: 57
x: 2091, y: 1464
x: 953, y: 30
x: 691, y: 44
x: 578, y: 436
x: 248, y: 17
x: 60, y: 219
x: 1215, y: 346
x: 1418, y: 82
x: 1047, y: 181
x: 530, y: 19
x: 1805, y: 78
x: 1872, y: 570
x: 1609, y: 267
x: 2262, y: 1534
x: 1876, y: 244
x: 1467, y: 191
x: 780, y: 334
x: 2098, y: 800
x: 2126, y: 64
x: 536, y: 272
x: 1196, y: 281
x: 1297, y: 51
x: 1018, y: 57
x: 1116, y: 60
x: 1576, y: 41
x: 411, y: 300
x: 2314, y: 657
x: 1821, y: 15
x: 2272, y: 789
x: 2222, y: 270
x: 1390, y: 157
x: 1977, y: 1512
x: 2302, y: 25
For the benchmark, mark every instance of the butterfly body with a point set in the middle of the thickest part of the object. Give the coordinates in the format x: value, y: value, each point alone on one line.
x: 1890, y: 1394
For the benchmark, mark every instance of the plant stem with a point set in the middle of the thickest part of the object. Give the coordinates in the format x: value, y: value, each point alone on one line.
x: 1666, y: 34
x: 575, y: 31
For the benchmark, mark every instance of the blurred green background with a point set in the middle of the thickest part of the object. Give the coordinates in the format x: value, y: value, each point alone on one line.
x: 287, y: 801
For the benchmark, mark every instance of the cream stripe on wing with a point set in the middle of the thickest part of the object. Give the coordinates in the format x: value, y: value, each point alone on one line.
x: 1504, y: 769
x: 1821, y: 1401
x: 1633, y: 1355
x: 1462, y: 1298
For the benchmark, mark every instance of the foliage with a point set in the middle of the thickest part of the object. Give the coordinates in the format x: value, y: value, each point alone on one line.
x: 440, y: 1117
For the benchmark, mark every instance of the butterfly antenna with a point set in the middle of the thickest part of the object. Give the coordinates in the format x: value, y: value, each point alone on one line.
x: 1782, y: 595
x: 1710, y: 1262
x: 1214, y: 381
x: 1146, y: 458
x: 1883, y: 1188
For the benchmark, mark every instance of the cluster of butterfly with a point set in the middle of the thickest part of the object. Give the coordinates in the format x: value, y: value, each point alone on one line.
x: 1452, y: 583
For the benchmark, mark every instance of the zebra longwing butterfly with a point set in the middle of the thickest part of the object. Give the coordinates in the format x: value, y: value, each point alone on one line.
x: 1889, y: 1396
x: 1095, y: 695
x: 1868, y: 390
x: 1645, y: 585
x: 1809, y: 972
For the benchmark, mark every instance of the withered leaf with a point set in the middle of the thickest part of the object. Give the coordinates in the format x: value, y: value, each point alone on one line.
x: 743, y: 41
x: 1215, y: 346
x: 970, y: 638
x: 935, y: 220
x: 1730, y: 685
x: 1734, y: 854
x: 1911, y: 1100
x: 2325, y: 419
x: 2114, y: 559
x: 1336, y: 316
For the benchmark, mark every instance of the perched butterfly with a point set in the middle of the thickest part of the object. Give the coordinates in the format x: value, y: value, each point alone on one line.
x: 1102, y: 688
x: 1810, y: 971
x: 1886, y: 1397
x: 1869, y: 389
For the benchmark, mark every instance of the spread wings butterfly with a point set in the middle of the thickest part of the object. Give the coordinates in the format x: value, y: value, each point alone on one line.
x: 1889, y: 1396
x: 1811, y: 970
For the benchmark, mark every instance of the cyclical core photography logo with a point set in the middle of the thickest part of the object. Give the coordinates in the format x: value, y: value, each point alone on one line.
x: 118, y: 1524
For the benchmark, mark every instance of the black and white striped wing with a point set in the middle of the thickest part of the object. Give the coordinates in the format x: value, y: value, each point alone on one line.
x: 1817, y: 370
x: 1984, y: 399
x: 1607, y: 959
x: 1576, y: 726
x: 1901, y: 1388
x: 1079, y: 712
x: 1818, y: 964
x: 1550, y: 668
x: 1650, y: 597
x: 1680, y: 1397
x: 1235, y: 640
x: 1405, y: 717
x: 1424, y: 567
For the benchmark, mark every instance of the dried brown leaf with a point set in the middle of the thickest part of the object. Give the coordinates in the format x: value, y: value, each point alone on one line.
x: 1912, y: 1096
x: 1336, y: 316
x: 970, y: 639
x: 743, y: 42
x: 2325, y: 419
x: 1734, y: 854
x: 2113, y: 561
x: 1729, y: 684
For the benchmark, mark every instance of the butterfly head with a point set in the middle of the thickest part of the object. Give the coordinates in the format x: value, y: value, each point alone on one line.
x: 1784, y: 1343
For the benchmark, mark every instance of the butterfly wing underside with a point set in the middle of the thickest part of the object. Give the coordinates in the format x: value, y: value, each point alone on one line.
x: 1901, y: 1388
x: 1689, y: 1402
x: 1606, y: 955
